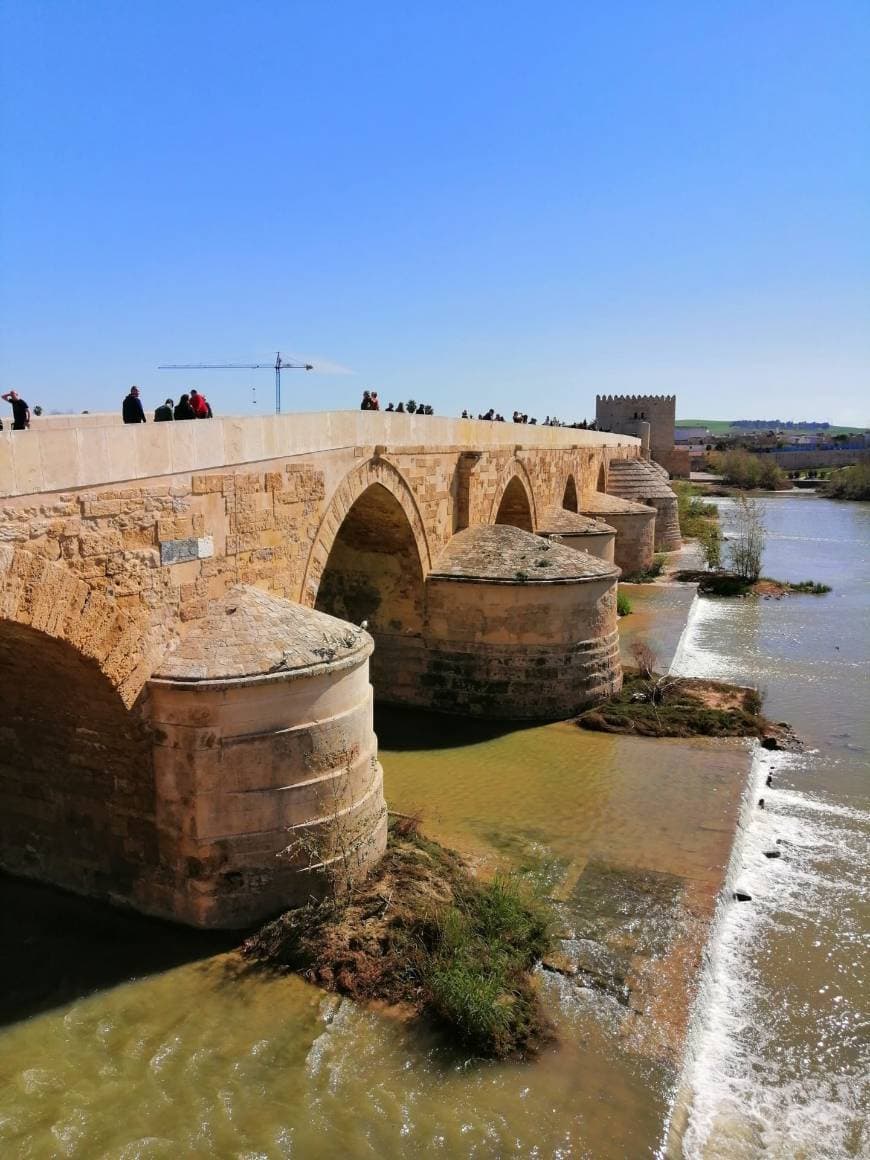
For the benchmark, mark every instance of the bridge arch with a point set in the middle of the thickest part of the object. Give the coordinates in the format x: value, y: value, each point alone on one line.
x: 514, y: 499
x: 77, y: 787
x: 350, y: 490
x: 569, y: 496
x: 376, y: 560
x: 50, y: 598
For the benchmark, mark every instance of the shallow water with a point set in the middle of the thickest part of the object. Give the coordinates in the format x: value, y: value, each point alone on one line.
x: 193, y: 1058
x: 781, y: 1057
x: 203, y: 1060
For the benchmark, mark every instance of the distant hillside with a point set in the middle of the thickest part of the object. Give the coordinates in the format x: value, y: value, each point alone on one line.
x: 721, y: 426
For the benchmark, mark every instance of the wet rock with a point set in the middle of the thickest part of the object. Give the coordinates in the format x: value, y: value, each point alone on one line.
x: 761, y: 803
x: 742, y: 896
x: 781, y: 736
x: 773, y: 853
x: 560, y: 965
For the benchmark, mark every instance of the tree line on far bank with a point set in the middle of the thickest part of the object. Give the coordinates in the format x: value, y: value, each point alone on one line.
x: 740, y: 468
x: 849, y: 483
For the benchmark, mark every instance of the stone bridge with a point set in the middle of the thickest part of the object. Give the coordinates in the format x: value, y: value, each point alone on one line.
x: 185, y: 682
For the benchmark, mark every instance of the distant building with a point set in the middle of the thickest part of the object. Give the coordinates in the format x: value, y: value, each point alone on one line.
x: 692, y: 435
x: 630, y: 414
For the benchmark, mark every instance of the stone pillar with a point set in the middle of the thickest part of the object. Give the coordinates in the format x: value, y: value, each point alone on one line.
x: 518, y: 627
x: 635, y: 525
x: 583, y: 533
x: 263, y: 744
x: 641, y: 482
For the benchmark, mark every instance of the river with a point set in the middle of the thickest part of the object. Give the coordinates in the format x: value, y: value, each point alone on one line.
x: 128, y: 1038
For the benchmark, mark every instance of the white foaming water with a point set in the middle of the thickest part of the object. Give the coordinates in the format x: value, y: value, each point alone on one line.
x: 743, y: 1101
x: 756, y: 1082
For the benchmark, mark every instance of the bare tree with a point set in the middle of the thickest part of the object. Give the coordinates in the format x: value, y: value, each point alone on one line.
x: 657, y: 685
x: 644, y: 658
x: 747, y: 548
x: 338, y: 848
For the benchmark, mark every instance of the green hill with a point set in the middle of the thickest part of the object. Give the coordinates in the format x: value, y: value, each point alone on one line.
x: 722, y: 426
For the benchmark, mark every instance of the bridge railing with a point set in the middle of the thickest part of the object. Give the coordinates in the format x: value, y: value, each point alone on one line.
x: 54, y: 458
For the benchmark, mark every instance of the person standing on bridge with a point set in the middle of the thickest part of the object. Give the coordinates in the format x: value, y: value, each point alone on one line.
x: 183, y: 409
x: 131, y: 408
x: 20, y: 411
x: 200, y: 404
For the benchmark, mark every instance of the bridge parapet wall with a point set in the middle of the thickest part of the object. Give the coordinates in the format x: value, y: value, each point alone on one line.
x: 52, y: 459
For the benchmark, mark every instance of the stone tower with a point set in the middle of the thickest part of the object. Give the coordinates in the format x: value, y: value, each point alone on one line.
x: 622, y: 413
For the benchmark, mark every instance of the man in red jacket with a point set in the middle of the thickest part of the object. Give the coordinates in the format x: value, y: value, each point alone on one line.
x: 200, y: 404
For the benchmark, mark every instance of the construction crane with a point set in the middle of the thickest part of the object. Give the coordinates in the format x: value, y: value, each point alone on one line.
x: 277, y: 366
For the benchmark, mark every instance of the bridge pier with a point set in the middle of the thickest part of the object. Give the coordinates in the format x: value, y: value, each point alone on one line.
x: 265, y: 760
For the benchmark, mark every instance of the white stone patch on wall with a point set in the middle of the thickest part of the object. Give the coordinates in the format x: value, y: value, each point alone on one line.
x: 181, y: 551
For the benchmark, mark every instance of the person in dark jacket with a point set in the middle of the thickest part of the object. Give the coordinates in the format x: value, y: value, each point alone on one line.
x: 183, y: 409
x: 131, y: 408
x: 163, y: 413
x: 20, y: 410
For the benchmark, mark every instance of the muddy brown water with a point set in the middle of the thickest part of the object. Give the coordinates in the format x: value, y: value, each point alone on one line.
x: 125, y: 1038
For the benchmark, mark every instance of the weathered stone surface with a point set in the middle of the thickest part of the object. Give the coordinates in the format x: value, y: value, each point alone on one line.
x: 640, y: 481
x: 635, y: 528
x: 101, y: 589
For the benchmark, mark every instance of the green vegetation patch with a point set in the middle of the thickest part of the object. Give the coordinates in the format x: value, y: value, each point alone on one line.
x: 623, y: 604
x: 699, y: 521
x: 743, y: 469
x: 423, y: 933
x: 723, y: 583
x: 849, y: 483
x: 657, y: 706
x: 648, y: 574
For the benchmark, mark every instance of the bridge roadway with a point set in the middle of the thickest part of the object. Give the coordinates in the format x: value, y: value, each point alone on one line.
x: 158, y: 747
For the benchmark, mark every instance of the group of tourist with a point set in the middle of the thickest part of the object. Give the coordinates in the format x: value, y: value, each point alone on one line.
x: 194, y: 405
x: 190, y: 406
x: 519, y: 417
x: 371, y: 402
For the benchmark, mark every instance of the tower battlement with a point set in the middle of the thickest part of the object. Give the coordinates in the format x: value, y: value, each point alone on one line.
x: 623, y: 412
x: 636, y: 399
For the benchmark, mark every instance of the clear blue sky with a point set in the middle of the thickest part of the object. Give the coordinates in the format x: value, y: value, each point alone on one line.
x: 473, y: 204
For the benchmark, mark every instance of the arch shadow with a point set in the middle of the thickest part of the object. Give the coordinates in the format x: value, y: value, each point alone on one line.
x: 514, y: 500
x: 374, y: 573
x: 569, y: 497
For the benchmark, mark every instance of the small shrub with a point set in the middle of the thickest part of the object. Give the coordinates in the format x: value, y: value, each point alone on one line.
x: 811, y: 586
x: 711, y: 546
x: 623, y: 604
x: 849, y: 483
x: 747, y: 547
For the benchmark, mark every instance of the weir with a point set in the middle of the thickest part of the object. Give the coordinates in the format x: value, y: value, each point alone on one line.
x: 125, y: 552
